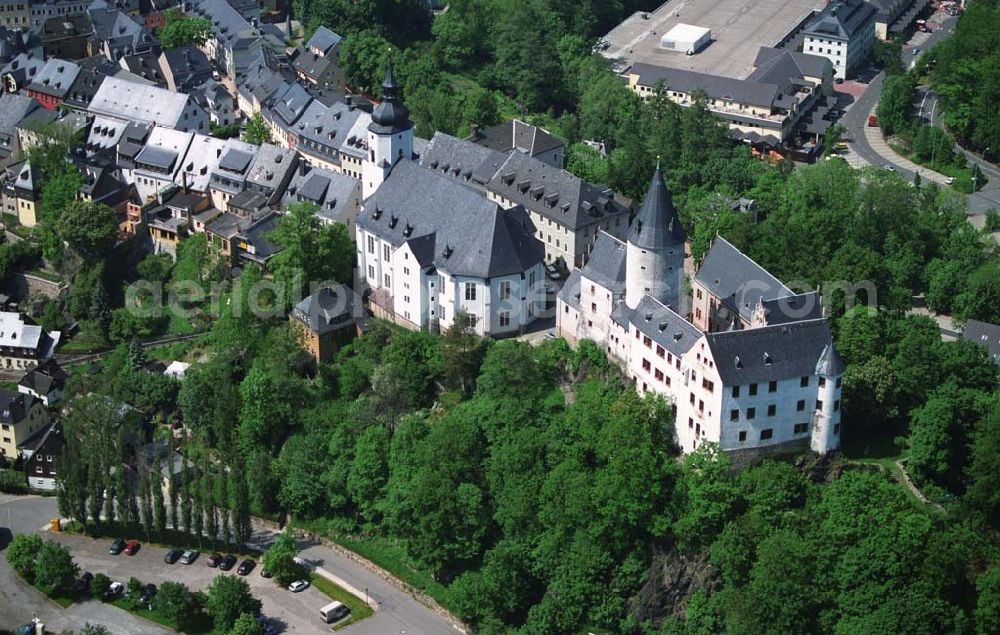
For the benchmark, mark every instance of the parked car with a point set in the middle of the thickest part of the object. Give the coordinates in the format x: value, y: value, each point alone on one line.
x: 949, y: 181
x: 84, y: 582
x: 172, y: 556
x: 132, y: 547
x: 264, y: 573
x: 246, y: 567
x: 916, y: 50
x: 189, y: 556
x: 228, y: 562
x: 872, y: 121
x: 298, y: 585
x: 334, y: 612
x: 888, y: 168
x: 214, y: 560
x: 115, y: 588
x: 147, y: 594
x: 117, y: 547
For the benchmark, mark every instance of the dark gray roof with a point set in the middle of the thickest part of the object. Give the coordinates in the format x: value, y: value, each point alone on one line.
x: 518, y: 135
x: 189, y: 65
x: 984, y: 334
x: 736, y: 279
x: 14, y: 108
x: 292, y: 103
x: 830, y: 364
x: 248, y: 200
x: 773, y: 353
x: 657, y: 225
x: 391, y: 115
x: 87, y: 82
x: 841, y: 19
x: 15, y: 405
x: 462, y: 159
x: 312, y: 64
x: 323, y: 39
x: 473, y: 236
x: 716, y: 86
x: 664, y: 326
x: 793, y: 308
x: 772, y: 64
x: 157, y: 157
x: 606, y: 265
x: 326, y: 310
x: 145, y: 65
x: 570, y: 293
x: 330, y: 191
x: 554, y: 193
x: 45, y: 377
x: 235, y: 160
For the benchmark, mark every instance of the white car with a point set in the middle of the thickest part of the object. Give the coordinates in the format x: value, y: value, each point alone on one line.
x: 949, y: 181
x: 115, y: 588
x: 298, y: 585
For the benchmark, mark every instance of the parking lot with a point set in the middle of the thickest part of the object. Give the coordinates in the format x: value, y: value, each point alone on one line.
x: 289, y: 612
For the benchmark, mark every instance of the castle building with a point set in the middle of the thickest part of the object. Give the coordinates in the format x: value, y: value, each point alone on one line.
x: 754, y: 371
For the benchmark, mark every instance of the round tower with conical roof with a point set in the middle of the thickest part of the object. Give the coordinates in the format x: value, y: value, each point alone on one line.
x: 390, y: 136
x: 654, y: 253
x: 826, y: 417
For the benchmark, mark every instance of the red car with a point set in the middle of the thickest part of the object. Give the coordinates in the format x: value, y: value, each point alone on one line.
x: 132, y: 547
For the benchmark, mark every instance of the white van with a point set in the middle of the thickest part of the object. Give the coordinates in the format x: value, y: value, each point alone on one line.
x: 334, y: 612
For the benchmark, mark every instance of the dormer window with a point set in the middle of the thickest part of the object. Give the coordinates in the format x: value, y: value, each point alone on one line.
x: 767, y: 359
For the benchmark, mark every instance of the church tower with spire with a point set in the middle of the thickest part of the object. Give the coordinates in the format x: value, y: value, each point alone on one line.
x: 654, y: 254
x: 390, y: 136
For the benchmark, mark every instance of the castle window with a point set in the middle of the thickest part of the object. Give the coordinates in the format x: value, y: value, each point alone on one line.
x: 753, y: 389
x: 743, y: 436
x: 772, y: 386
x: 736, y: 392
x: 801, y: 405
x: 751, y: 413
x: 836, y: 405
x: 804, y: 382
x: 766, y: 434
x: 822, y: 382
x: 771, y: 410
x: 801, y: 428
x: 734, y: 415
x: 470, y: 291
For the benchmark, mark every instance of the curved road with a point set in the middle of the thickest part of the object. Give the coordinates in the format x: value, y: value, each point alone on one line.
x: 855, y: 120
x: 397, y: 611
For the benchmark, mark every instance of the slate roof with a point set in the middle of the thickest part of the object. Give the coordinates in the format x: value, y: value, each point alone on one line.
x: 45, y: 377
x: 323, y: 40
x: 463, y: 159
x: 14, y: 108
x: 290, y: 104
x: 189, y: 66
x: 770, y: 353
x: 330, y: 191
x: 716, y: 86
x: 55, y: 78
x: 772, y: 64
x: 49, y: 440
x: 473, y: 236
x: 663, y: 325
x: 14, y: 333
x: 145, y: 65
x: 606, y: 265
x: 24, y: 67
x: 736, y: 279
x: 164, y: 149
x: 656, y: 225
x: 312, y: 64
x: 326, y: 310
x: 793, y: 308
x: 984, y: 334
x: 270, y: 165
x: 518, y: 135
x: 841, y: 19
x: 205, y: 155
x: 84, y: 87
x: 570, y: 293
x: 236, y: 160
x: 554, y: 193
x: 139, y: 102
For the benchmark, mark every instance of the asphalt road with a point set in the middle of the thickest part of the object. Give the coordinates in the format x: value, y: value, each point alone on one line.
x: 397, y: 611
x: 855, y: 121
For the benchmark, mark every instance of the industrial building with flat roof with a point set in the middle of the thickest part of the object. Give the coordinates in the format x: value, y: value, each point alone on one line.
x: 738, y: 29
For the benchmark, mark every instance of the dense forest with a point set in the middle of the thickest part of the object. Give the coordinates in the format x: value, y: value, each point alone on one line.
x: 967, y: 76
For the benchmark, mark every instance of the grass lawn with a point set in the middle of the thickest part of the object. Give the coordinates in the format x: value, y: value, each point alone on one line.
x: 201, y: 626
x: 391, y: 556
x: 359, y: 610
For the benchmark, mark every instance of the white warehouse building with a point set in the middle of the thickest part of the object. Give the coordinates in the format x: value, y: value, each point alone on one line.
x: 686, y: 38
